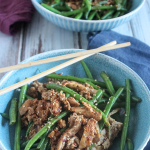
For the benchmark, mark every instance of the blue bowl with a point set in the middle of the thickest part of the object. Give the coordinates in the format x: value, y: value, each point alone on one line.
x: 86, y: 25
x: 139, y: 126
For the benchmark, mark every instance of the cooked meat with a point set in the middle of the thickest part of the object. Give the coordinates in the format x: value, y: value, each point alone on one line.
x: 85, y: 89
x: 88, y: 134
x: 40, y: 87
x: 55, y: 107
x: 64, y: 100
x: 70, y: 132
x: 50, y: 95
x: 87, y: 111
x: 42, y: 111
x: 105, y: 142
x: 37, y: 111
x: 33, y: 130
x: 32, y: 92
x: 97, y: 134
x: 73, y: 102
x: 23, y: 109
x: 61, y: 123
x: 72, y: 143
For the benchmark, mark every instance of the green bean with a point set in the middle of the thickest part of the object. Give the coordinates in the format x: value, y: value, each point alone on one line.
x: 74, y: 12
x: 103, y: 7
x: 102, y: 101
x: 112, y: 101
x: 117, y: 14
x: 127, y: 115
x: 78, y: 97
x: 79, y: 15
x: 50, y: 8
x: 63, y: 129
x: 26, y: 142
x: 72, y: 78
x: 57, y: 1
x: 44, y: 137
x: 133, y: 98
x: 119, y: 4
x: 33, y: 149
x: 67, y: 95
x: 86, y: 14
x: 29, y: 126
x: 82, y: 80
x: 29, y: 97
x: 86, y: 69
x: 101, y: 84
x: 98, y: 16
x: 130, y: 144
x: 88, y: 6
x: 45, y: 144
x: 109, y: 13
x: 99, y: 93
x: 108, y: 83
x: 56, y: 4
x: 6, y: 116
x: 13, y: 111
x: 44, y: 129
x: 69, y: 8
x: 18, y: 122
x: 22, y: 95
x: 92, y: 15
x: 49, y: 146
x: 61, y: 8
x: 110, y: 105
x: 116, y: 105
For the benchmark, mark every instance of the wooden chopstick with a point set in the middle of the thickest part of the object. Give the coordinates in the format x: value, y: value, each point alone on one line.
x: 40, y: 75
x: 62, y: 57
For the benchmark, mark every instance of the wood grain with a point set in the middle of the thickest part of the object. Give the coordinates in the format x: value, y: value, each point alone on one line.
x: 10, y: 49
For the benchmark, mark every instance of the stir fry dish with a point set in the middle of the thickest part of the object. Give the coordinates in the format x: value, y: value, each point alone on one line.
x: 71, y: 113
x: 89, y: 9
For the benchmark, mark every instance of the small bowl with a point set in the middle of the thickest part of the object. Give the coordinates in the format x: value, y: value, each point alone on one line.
x: 87, y: 25
x: 139, y: 125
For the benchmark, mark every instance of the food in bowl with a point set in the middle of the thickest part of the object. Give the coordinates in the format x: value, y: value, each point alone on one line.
x: 89, y: 10
x: 66, y: 113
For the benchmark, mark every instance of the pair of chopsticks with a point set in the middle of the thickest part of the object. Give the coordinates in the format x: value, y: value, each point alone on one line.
x: 79, y: 56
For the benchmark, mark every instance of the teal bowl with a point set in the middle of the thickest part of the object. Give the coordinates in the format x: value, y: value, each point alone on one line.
x: 87, y: 25
x: 139, y: 125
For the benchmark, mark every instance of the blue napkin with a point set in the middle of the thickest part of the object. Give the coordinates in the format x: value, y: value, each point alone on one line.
x: 137, y: 56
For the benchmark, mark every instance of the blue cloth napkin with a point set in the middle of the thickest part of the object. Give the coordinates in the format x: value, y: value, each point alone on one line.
x: 137, y: 56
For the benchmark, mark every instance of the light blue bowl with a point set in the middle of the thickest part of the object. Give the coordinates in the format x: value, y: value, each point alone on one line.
x: 86, y: 25
x: 139, y: 128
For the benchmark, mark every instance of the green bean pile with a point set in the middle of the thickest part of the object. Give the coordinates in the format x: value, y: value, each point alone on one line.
x: 107, y: 97
x: 89, y: 9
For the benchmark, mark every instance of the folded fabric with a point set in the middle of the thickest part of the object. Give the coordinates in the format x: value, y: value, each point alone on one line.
x: 137, y: 56
x: 13, y: 13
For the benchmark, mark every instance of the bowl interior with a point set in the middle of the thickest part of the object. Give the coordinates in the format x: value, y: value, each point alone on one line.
x: 139, y: 129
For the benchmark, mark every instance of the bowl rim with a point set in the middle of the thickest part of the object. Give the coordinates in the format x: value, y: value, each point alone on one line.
x: 89, y: 21
x: 7, y: 75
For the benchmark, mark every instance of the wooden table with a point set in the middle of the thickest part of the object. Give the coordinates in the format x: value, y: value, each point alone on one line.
x: 41, y: 36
